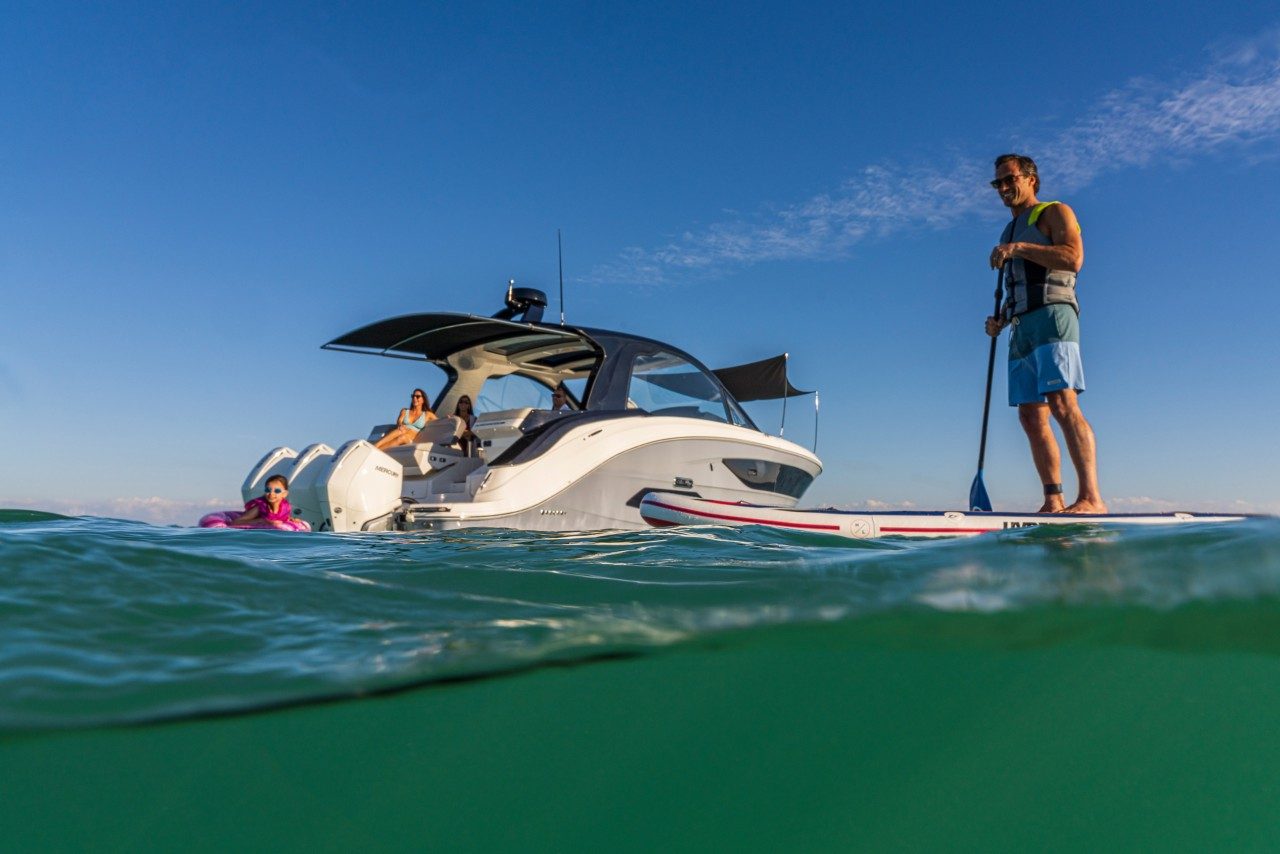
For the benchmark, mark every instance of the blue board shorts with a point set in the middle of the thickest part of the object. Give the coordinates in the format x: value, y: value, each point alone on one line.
x: 1044, y: 354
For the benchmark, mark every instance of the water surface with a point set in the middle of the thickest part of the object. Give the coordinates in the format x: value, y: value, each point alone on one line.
x: 687, y: 688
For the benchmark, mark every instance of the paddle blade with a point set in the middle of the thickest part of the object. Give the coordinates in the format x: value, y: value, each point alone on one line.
x: 978, y: 499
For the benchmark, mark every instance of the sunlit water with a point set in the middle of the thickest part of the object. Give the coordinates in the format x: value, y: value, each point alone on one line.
x: 676, y: 689
x: 106, y: 622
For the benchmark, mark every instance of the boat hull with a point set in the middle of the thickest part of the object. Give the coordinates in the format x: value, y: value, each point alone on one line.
x: 576, y: 487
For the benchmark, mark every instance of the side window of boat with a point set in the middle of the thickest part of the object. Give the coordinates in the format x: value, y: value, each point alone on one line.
x: 666, y: 384
x: 577, y: 387
x: 737, y: 416
x: 512, y: 392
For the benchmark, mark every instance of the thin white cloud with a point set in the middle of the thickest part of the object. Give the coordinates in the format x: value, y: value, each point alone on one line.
x: 872, y: 505
x: 1235, y: 100
x: 1149, y: 504
x: 157, y: 511
x: 1143, y: 504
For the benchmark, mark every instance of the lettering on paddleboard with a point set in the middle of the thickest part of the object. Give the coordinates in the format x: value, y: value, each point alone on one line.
x: 1008, y: 525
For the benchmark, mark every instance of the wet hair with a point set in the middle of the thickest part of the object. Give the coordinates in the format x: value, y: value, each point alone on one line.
x: 280, y: 479
x: 426, y: 401
x: 1025, y: 164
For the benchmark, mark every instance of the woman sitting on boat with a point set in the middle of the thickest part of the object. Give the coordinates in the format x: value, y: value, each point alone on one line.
x: 463, y: 412
x: 411, y: 420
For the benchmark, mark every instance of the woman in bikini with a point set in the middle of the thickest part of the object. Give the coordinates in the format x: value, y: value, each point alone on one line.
x: 411, y: 420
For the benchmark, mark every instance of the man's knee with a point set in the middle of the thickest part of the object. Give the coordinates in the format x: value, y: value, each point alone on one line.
x: 1033, y: 416
x: 1063, y: 404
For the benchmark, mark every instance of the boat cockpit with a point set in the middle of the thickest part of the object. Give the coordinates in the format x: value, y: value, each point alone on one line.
x: 511, y: 370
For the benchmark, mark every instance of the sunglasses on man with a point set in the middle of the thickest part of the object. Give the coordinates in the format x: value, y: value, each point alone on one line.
x: 1007, y: 179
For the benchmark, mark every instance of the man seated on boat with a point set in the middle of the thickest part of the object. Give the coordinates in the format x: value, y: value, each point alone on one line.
x: 560, y: 399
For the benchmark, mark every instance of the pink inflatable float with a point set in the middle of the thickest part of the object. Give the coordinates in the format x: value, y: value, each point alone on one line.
x: 223, y: 519
x: 280, y: 519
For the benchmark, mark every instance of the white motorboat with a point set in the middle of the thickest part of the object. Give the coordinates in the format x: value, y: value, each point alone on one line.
x: 643, y: 417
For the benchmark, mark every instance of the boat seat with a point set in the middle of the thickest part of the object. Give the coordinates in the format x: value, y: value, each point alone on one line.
x: 442, y: 431
x: 451, y: 478
x: 435, y: 439
x: 378, y: 431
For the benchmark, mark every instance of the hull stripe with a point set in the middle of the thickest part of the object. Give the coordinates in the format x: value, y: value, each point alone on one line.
x: 727, y: 518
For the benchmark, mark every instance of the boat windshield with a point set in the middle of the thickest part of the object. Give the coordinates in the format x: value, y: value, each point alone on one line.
x: 664, y: 383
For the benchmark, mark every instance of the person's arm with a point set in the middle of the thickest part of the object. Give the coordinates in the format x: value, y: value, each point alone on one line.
x: 1067, y: 251
x: 247, y: 516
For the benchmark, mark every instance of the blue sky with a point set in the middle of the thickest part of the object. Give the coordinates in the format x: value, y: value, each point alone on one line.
x: 196, y: 198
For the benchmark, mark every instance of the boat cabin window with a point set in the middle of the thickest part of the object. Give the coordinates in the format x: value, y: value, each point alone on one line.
x: 512, y: 392
x: 666, y: 384
x: 577, y: 387
x: 737, y: 416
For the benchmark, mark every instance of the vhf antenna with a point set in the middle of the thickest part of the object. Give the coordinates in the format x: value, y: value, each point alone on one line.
x: 560, y: 260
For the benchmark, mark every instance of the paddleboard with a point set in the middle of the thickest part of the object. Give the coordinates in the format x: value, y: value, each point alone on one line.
x: 662, y: 509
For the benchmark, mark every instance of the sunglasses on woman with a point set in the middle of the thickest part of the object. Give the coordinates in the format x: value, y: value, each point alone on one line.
x: 273, y: 490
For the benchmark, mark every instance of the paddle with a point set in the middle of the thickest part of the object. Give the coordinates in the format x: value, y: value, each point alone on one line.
x: 978, y: 499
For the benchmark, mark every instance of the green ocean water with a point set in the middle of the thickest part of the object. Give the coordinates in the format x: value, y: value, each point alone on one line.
x: 1049, y: 689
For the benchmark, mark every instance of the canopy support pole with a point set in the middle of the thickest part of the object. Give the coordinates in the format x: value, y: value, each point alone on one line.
x: 815, y: 422
x: 782, y: 428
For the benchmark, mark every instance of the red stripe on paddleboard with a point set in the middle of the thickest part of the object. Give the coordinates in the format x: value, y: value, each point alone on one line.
x: 749, y: 521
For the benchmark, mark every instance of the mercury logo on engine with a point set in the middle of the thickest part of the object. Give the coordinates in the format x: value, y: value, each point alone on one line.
x: 384, y: 470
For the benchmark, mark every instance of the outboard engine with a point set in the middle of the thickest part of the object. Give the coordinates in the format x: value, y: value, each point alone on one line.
x: 304, y: 478
x: 276, y: 461
x: 527, y: 302
x: 302, y: 470
x: 360, y: 489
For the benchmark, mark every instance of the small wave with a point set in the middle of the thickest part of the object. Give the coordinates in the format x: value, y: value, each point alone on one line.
x: 107, y: 622
x: 21, y: 517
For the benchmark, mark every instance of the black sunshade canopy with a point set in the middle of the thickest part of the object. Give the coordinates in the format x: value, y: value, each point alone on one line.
x: 763, y: 380
x: 437, y: 336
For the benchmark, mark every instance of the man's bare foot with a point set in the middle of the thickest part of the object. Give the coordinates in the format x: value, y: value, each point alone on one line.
x: 1083, y: 506
x: 1052, y: 504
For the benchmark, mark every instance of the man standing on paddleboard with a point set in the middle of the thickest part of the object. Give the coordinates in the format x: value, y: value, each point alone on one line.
x: 1040, y: 252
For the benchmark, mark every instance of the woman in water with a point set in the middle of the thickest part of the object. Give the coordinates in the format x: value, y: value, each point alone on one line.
x: 411, y: 420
